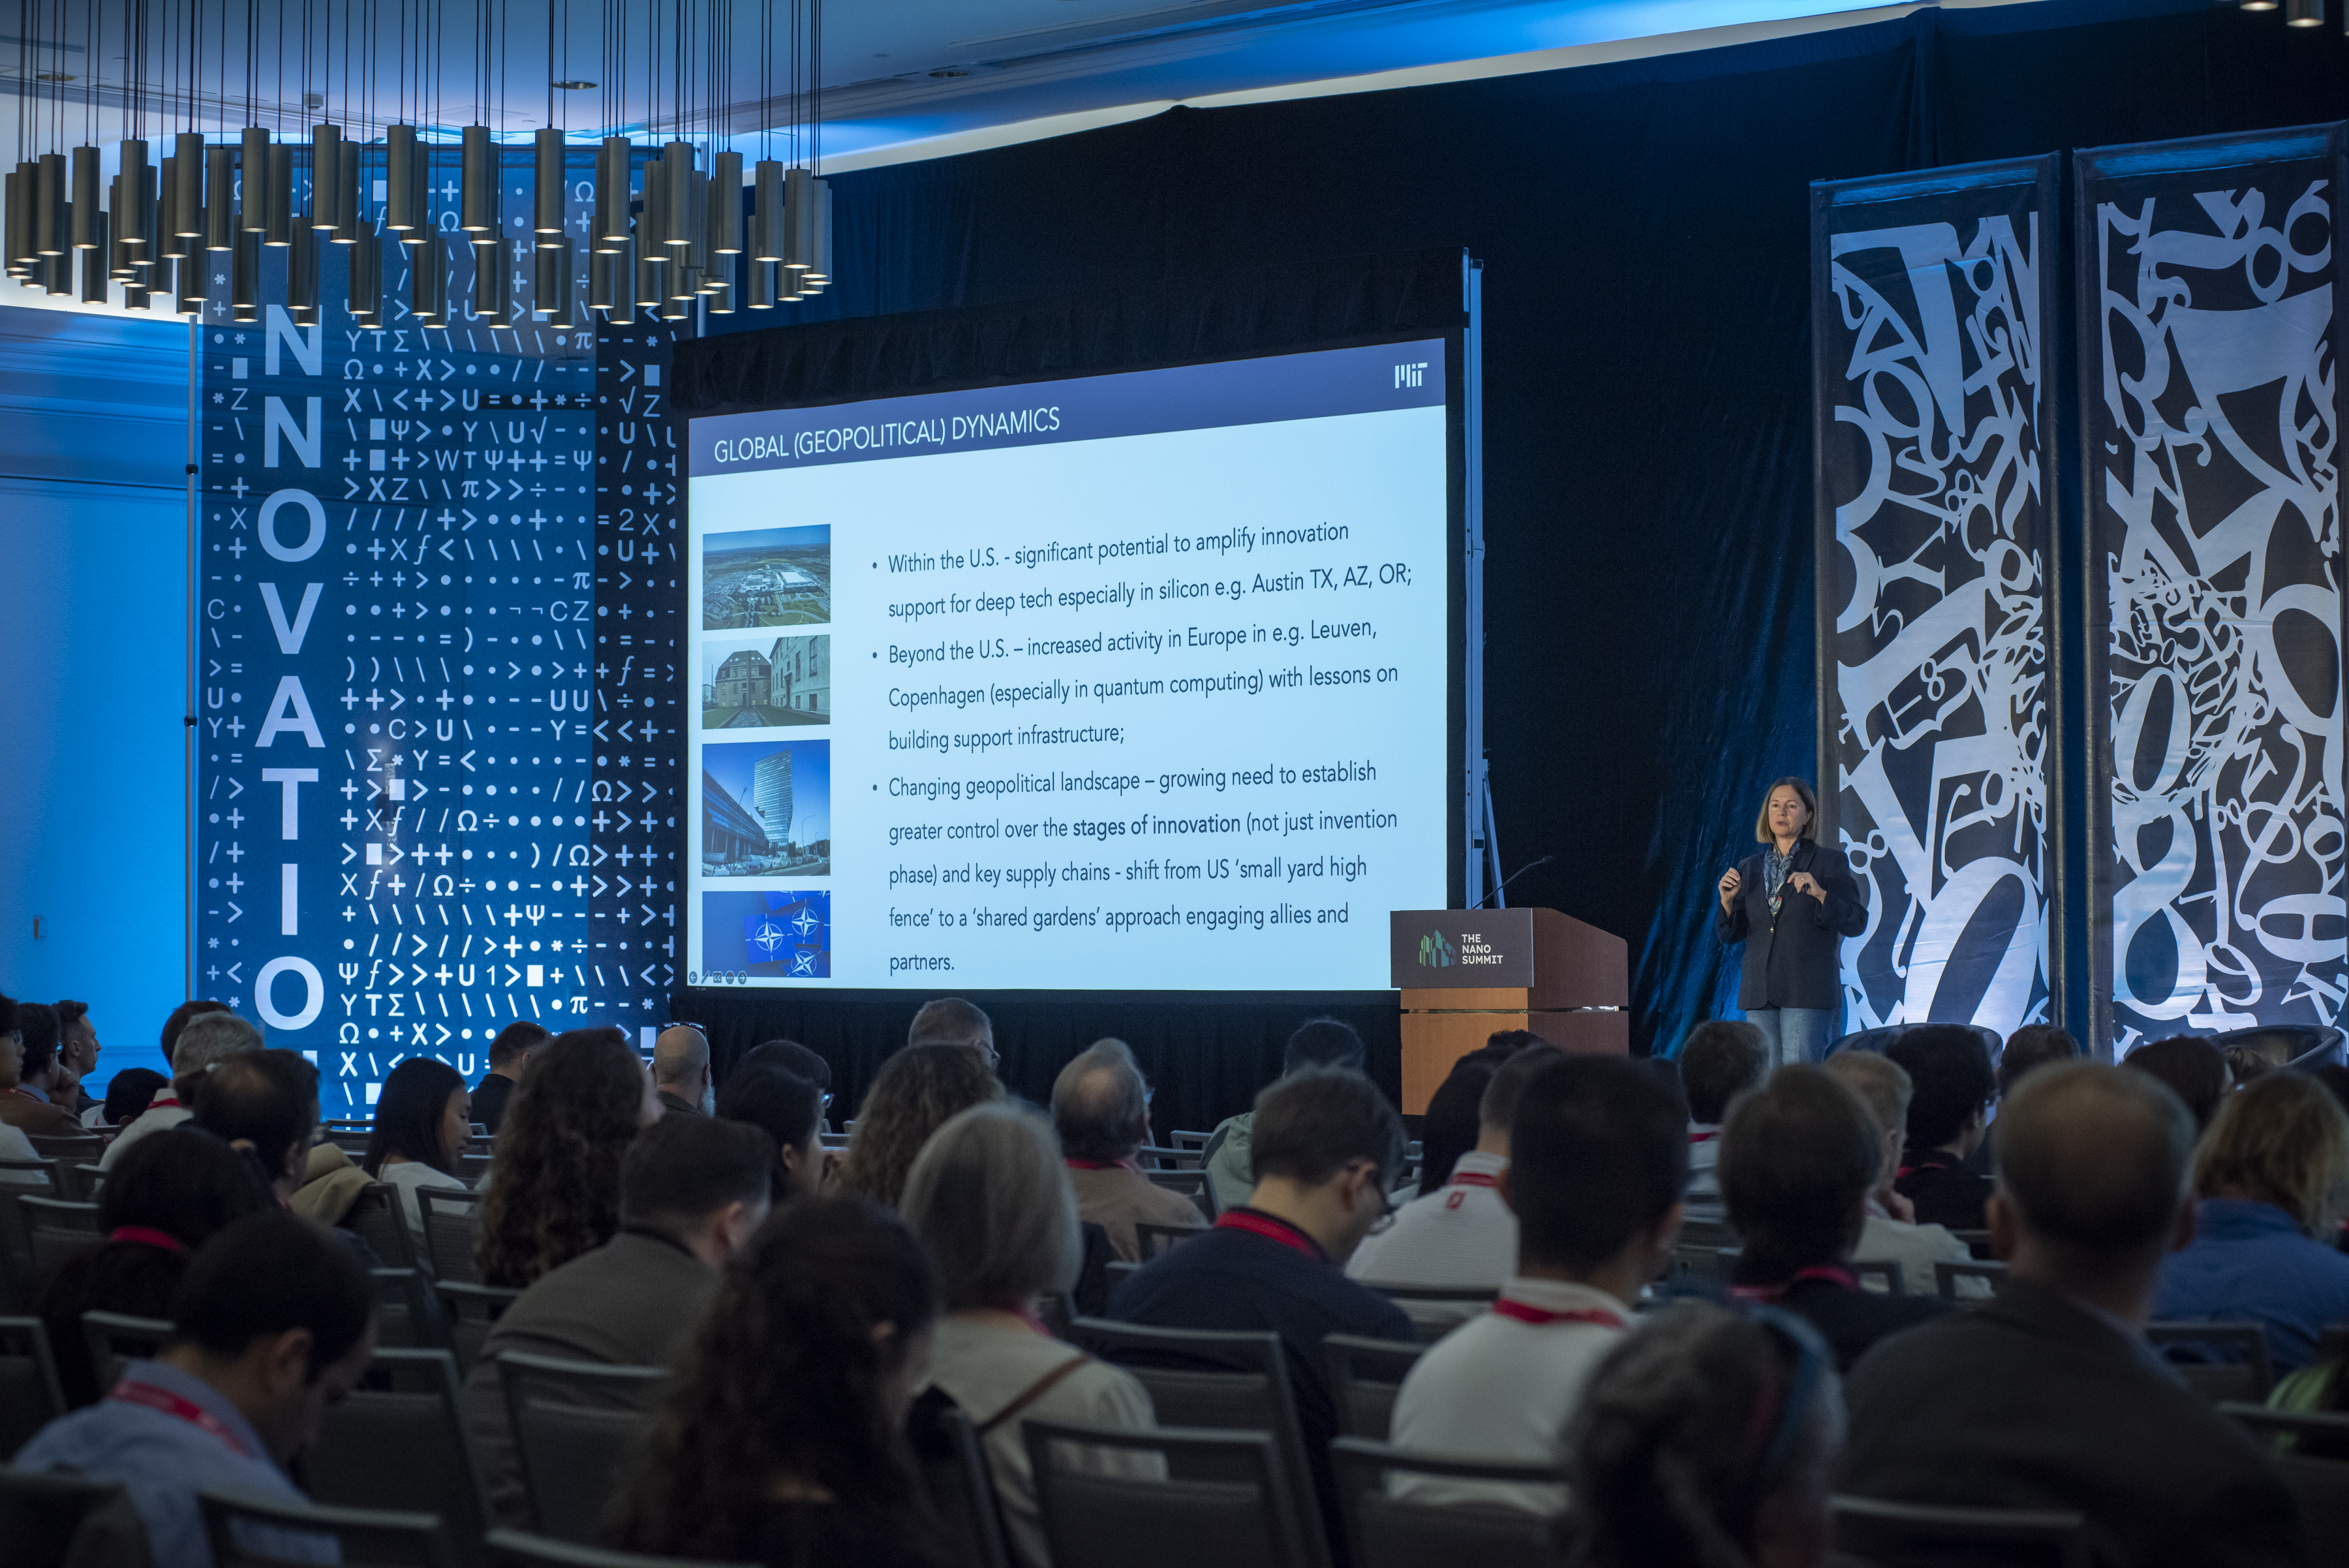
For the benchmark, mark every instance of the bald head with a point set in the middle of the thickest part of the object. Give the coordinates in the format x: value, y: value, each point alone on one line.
x: 2092, y: 1167
x: 1100, y: 1104
x: 680, y: 1055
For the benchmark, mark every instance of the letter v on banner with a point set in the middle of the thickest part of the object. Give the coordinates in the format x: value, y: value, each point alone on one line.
x: 289, y: 637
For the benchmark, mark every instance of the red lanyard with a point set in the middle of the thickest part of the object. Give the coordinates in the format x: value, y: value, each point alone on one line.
x: 170, y: 1404
x: 1073, y: 1163
x: 1472, y: 1178
x: 1518, y: 1310
x: 147, y: 1236
x: 1843, y: 1277
x: 1704, y: 1137
x: 1271, y: 1230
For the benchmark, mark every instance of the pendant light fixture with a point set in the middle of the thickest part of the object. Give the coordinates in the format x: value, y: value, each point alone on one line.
x: 253, y: 170
x: 403, y: 182
x: 220, y: 215
x: 477, y: 182
x: 325, y: 176
x: 86, y: 210
x: 279, y: 220
x: 493, y: 282
x: 134, y: 214
x: 546, y: 182
x: 244, y: 276
x: 301, y: 275
x: 365, y: 278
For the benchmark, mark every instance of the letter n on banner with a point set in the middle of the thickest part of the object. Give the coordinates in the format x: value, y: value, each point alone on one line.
x: 1932, y: 297
x: 2208, y: 270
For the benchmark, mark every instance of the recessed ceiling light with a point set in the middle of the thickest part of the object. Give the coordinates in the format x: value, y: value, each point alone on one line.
x: 574, y: 87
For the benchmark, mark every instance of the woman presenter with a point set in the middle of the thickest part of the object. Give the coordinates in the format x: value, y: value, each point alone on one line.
x: 1788, y: 903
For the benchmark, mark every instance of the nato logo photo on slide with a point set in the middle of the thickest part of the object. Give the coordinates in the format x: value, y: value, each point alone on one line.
x: 770, y: 936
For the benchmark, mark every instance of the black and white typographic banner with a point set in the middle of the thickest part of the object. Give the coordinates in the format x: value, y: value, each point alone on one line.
x: 2211, y: 422
x: 1932, y: 294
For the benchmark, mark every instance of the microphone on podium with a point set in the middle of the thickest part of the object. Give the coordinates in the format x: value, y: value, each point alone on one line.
x: 1511, y: 878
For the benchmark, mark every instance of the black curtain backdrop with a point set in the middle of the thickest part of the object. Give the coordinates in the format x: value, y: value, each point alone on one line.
x: 1647, y: 429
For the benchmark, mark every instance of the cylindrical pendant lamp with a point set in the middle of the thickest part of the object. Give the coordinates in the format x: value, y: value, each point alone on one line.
x: 546, y: 182
x: 252, y: 169
x: 820, y: 269
x: 366, y: 283
x: 613, y: 168
x: 245, y: 278
x: 302, y: 275
x: 167, y: 221
x: 766, y: 211
x: 86, y: 206
x: 675, y: 225
x: 477, y: 182
x: 428, y: 279
x: 492, y: 284
x: 281, y: 219
x: 15, y: 240
x: 188, y: 162
x: 725, y: 204
x: 348, y: 228
x: 94, y: 280
x: 326, y: 175
x: 133, y: 224
x: 220, y: 186
x: 799, y: 219
x: 54, y: 236
x: 649, y: 294
x: 761, y: 295
x: 400, y: 185
x: 550, y: 278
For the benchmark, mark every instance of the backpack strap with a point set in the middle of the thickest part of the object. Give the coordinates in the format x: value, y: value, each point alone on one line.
x: 1033, y: 1392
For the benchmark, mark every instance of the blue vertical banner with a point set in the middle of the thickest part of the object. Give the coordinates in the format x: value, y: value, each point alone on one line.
x: 1933, y: 297
x: 2210, y: 273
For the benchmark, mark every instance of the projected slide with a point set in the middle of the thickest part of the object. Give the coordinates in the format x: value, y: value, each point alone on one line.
x: 1131, y: 682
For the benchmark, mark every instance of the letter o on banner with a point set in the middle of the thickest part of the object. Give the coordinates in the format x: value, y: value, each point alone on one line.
x: 266, y: 982
x: 266, y: 529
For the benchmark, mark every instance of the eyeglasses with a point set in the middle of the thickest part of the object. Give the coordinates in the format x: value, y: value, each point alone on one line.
x: 1388, y: 1208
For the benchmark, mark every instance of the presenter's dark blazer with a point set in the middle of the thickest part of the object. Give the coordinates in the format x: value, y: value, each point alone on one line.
x: 1791, y: 962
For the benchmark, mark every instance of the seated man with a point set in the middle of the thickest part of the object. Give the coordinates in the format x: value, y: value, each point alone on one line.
x: 1798, y: 1159
x: 31, y: 1096
x: 692, y: 1189
x: 951, y: 1021
x: 1325, y: 1143
x: 273, y: 1323
x: 1720, y: 1059
x: 1948, y: 1112
x: 681, y: 1071
x: 265, y: 1103
x: 214, y: 1034
x: 1598, y: 1158
x: 1100, y: 1108
x: 1461, y: 1233
x: 1890, y: 1234
x: 1317, y: 1043
x: 509, y: 1060
x: 2048, y: 1397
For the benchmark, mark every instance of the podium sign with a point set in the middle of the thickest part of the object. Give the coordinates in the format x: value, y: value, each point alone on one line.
x: 1442, y: 949
x: 1466, y: 974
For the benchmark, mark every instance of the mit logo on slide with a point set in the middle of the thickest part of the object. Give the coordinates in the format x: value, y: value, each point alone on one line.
x: 1410, y: 375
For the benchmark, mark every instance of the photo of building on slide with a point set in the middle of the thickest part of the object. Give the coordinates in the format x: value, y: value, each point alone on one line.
x: 766, y: 809
x: 766, y: 577
x: 770, y: 681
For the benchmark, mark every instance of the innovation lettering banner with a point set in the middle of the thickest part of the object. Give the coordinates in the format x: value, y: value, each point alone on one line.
x: 2208, y: 277
x: 1932, y: 296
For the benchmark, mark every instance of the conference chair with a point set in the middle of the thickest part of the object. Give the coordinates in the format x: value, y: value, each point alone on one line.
x: 517, y: 1549
x: 53, y: 1520
x: 350, y: 1137
x: 399, y: 1442
x: 1118, y: 1273
x: 573, y: 1423
x: 1191, y: 1143
x: 960, y: 1486
x: 375, y: 1215
x: 1386, y: 1532
x: 68, y: 1148
x: 20, y: 1178
x: 407, y: 1314
x: 2312, y: 1453
x: 1882, y: 1271
x: 30, y: 1395
x: 55, y: 1230
x: 1864, y: 1040
x: 1157, y: 1157
x: 1196, y: 1377
x: 244, y: 1530
x: 2223, y: 1362
x: 1435, y: 1310
x: 2298, y: 1046
x: 474, y: 1309
x: 1192, y: 1184
x: 1946, y: 1276
x: 1152, y: 1239
x: 1978, y: 1244
x: 1228, y: 1499
x: 1896, y: 1533
x: 117, y: 1339
x: 1365, y: 1376
x: 452, y: 1223
x: 79, y: 1183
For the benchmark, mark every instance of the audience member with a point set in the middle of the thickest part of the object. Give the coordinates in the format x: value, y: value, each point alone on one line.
x: 129, y: 1094
x: 1597, y: 1160
x: 2048, y: 1397
x: 2336, y: 1079
x: 1101, y: 1107
x: 913, y: 1095
x: 789, y: 1111
x: 79, y: 1047
x: 1325, y: 1143
x: 34, y: 1103
x: 681, y: 1071
x: 266, y: 1103
x: 1721, y: 1059
x: 2029, y: 1048
x: 1451, y: 1126
x: 424, y: 1121
x: 1464, y: 1234
x: 554, y: 1185
x: 2248, y: 1064
x: 1952, y: 1086
x: 1708, y: 1437
x: 510, y: 1055
x: 2272, y: 1176
x: 991, y: 1201
x: 1890, y: 1234
x: 2192, y: 1068
x: 209, y: 1033
x: 793, y: 1058
x: 168, y: 1197
x: 783, y: 1441
x: 951, y: 1021
x: 271, y: 1325
x: 693, y: 1190
x: 1317, y: 1043
x: 1798, y: 1159
x: 14, y: 1144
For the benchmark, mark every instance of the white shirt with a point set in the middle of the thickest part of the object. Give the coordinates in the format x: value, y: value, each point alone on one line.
x: 15, y: 1145
x: 1916, y: 1248
x: 1461, y: 1234
x: 1503, y: 1387
x: 1705, y: 1158
x: 160, y: 1115
x: 407, y: 1177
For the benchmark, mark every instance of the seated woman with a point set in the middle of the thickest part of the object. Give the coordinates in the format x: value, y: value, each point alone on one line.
x: 423, y: 1120
x: 790, y: 1110
x: 554, y: 1190
x: 2270, y: 1179
x: 913, y: 1095
x: 783, y: 1439
x: 167, y: 1197
x: 991, y: 1197
x: 1708, y: 1436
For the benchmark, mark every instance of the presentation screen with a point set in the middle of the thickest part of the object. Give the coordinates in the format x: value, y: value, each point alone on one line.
x: 1131, y: 682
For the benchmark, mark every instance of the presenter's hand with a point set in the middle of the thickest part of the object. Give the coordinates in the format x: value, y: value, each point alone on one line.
x: 1804, y: 881
x: 1730, y: 883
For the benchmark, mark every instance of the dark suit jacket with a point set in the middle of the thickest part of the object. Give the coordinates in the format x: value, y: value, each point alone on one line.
x: 488, y: 1102
x: 1943, y: 1189
x: 1790, y: 961
x: 1851, y: 1321
x: 2032, y: 1400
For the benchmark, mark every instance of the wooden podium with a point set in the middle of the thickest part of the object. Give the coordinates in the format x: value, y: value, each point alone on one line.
x: 1466, y: 973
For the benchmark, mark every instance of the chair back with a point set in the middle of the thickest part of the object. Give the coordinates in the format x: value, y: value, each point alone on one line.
x: 375, y: 1215
x: 1977, y: 1242
x: 1192, y: 1184
x: 1879, y: 1273
x: 1946, y: 1276
x: 1227, y: 1382
x: 518, y: 1549
x: 20, y: 1178
x: 408, y: 1315
x: 1365, y: 1376
x: 473, y: 1310
x: 2311, y: 1451
x: 2226, y: 1363
x: 1388, y: 1532
x: 246, y: 1532
x: 1157, y: 1157
x: 451, y: 1222
x: 68, y: 1148
x: 116, y: 1339
x: 962, y: 1488
x: 1436, y: 1310
x: 59, y: 1214
x: 574, y: 1424
x: 1229, y: 1500
x: 400, y: 1442
x: 1150, y: 1240
x: 1192, y: 1142
x: 1892, y: 1532
x: 79, y: 1183
x: 52, y: 1520
x: 30, y: 1395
